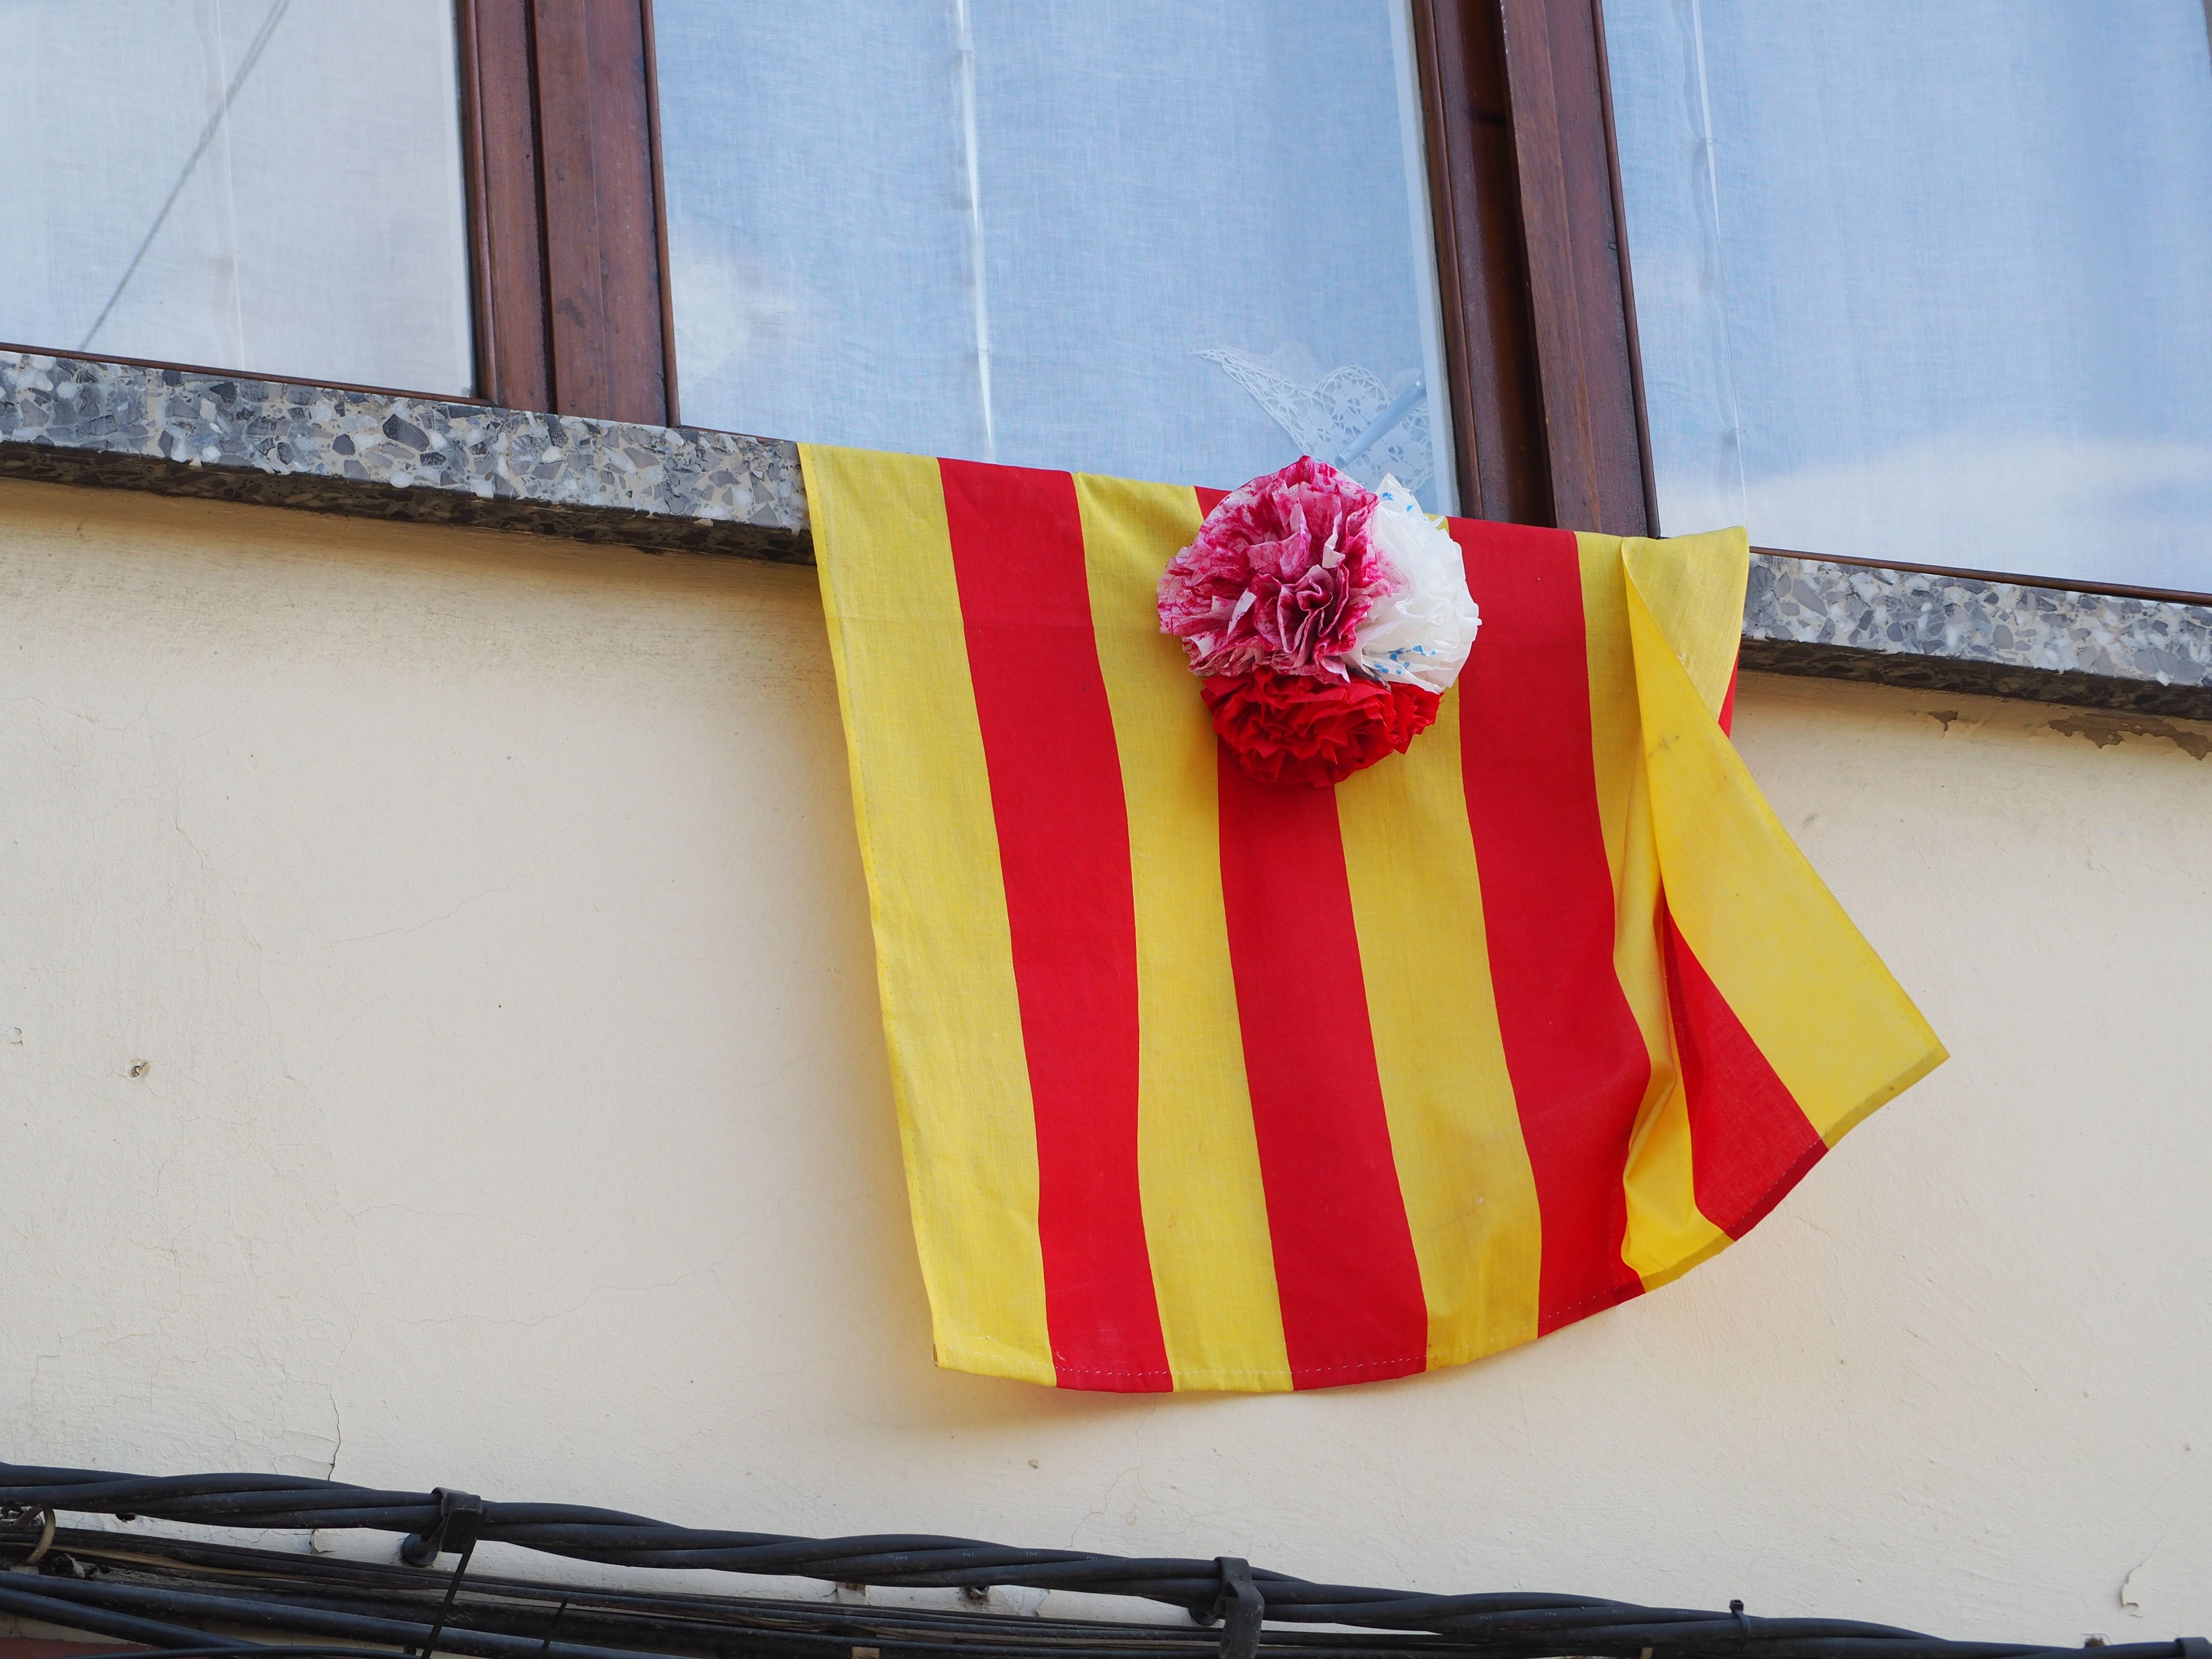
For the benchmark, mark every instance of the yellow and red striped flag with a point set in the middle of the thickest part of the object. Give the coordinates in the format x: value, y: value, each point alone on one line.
x: 1205, y: 1082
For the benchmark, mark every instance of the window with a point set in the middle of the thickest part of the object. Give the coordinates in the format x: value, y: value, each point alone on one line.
x: 1927, y: 284
x: 262, y: 186
x: 1135, y: 236
x: 1914, y: 286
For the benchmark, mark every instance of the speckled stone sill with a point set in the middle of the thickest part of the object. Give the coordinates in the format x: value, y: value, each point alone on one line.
x: 1956, y: 633
x: 68, y: 421
x: 372, y: 455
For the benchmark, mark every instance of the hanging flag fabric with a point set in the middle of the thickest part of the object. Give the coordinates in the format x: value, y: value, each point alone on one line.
x: 1207, y: 1083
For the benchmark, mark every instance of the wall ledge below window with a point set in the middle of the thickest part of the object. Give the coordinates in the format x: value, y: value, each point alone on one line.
x: 68, y: 420
x: 1947, y: 633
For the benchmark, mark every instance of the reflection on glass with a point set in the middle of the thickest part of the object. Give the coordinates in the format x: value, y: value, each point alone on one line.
x: 1927, y: 283
x: 1135, y: 236
x: 273, y: 187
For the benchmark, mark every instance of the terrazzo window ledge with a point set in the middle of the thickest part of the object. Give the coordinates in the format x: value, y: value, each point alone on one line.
x: 74, y: 421
x: 367, y: 454
x: 1947, y: 633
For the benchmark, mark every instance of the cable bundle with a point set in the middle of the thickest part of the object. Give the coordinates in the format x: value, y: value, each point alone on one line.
x: 141, y: 1585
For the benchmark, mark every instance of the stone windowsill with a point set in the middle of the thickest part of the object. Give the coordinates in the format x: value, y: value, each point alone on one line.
x: 372, y: 454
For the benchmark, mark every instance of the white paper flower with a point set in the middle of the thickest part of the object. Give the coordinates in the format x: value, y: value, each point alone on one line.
x: 1422, y: 636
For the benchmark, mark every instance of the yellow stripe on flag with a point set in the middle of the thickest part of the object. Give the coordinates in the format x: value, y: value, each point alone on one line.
x: 1463, y: 1169
x: 1693, y: 586
x: 1616, y: 733
x: 944, y: 955
x: 1667, y: 1233
x: 1205, y: 1210
x: 1810, y: 992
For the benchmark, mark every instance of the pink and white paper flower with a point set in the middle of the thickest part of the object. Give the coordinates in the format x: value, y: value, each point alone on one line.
x: 1304, y: 599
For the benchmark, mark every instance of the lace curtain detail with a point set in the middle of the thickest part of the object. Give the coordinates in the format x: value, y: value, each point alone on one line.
x: 1337, y: 420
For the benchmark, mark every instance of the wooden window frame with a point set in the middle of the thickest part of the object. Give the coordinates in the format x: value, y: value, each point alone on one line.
x: 574, y: 315
x: 561, y: 127
x: 1540, y: 315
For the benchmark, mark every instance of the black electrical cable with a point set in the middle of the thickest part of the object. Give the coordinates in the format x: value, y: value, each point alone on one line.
x: 631, y: 1618
x: 263, y: 1589
x: 1495, y: 1625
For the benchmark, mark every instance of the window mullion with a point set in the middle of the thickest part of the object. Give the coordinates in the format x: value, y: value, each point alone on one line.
x: 567, y: 217
x: 1553, y: 75
x: 1535, y: 276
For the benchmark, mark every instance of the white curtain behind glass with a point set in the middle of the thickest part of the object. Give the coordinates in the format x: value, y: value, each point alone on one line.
x: 264, y: 186
x: 1927, y: 282
x: 1126, y: 236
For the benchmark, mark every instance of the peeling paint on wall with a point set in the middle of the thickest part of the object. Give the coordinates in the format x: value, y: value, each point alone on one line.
x: 2193, y: 740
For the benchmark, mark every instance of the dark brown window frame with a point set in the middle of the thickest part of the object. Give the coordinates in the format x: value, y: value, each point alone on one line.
x: 1540, y: 311
x: 562, y: 134
x: 573, y: 314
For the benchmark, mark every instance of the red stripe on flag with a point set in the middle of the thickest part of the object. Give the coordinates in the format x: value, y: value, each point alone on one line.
x: 1727, y: 702
x: 1064, y: 851
x: 1346, y: 1273
x: 1572, y: 1046
x: 1749, y: 1141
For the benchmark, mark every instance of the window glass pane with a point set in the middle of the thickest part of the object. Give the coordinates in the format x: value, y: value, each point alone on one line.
x: 1131, y: 236
x: 273, y: 187
x: 1927, y: 283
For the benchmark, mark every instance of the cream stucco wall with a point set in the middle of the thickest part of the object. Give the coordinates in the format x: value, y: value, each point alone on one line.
x: 486, y: 916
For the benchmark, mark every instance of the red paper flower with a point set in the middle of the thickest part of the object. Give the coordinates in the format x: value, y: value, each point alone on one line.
x: 1287, y: 728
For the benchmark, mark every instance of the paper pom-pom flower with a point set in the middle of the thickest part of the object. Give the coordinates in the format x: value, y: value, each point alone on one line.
x: 1323, y: 621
